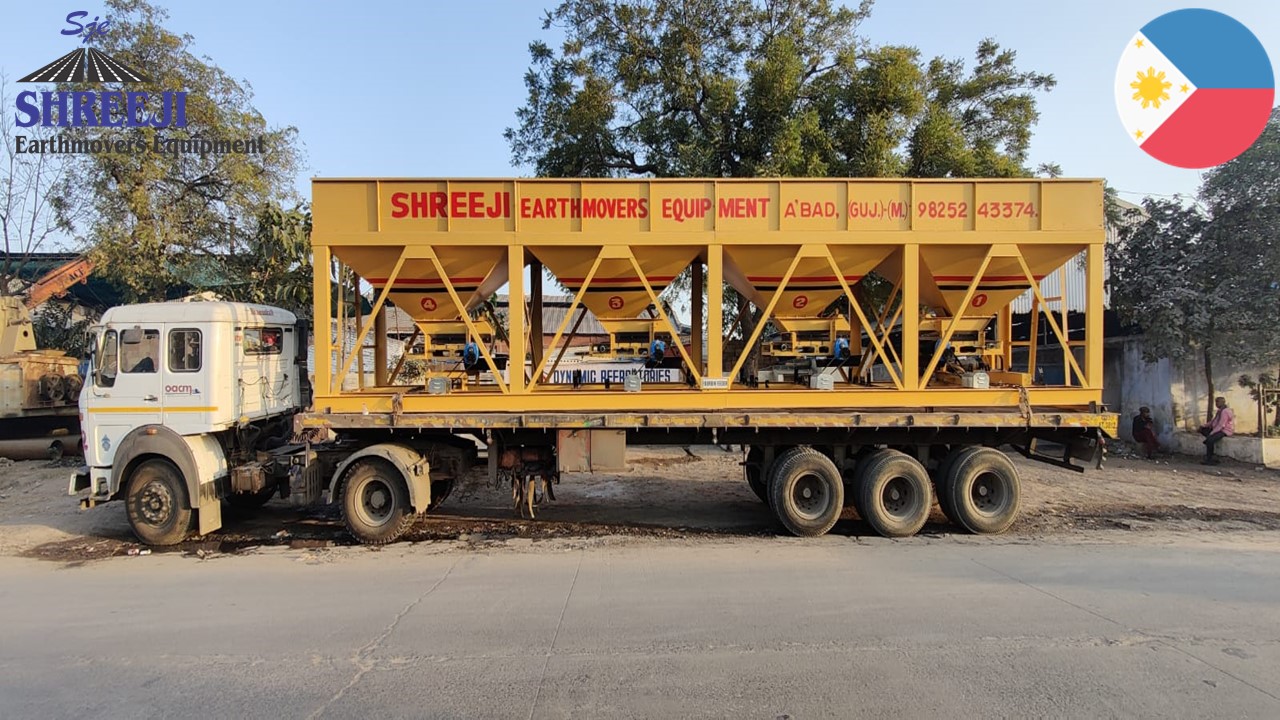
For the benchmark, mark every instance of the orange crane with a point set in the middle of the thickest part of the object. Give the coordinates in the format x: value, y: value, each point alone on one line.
x: 56, y: 282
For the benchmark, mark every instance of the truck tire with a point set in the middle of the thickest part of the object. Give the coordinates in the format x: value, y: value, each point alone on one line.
x: 942, y: 476
x: 896, y: 494
x: 855, y: 496
x: 755, y: 471
x: 156, y: 503
x: 375, y: 502
x: 984, y: 491
x: 807, y: 492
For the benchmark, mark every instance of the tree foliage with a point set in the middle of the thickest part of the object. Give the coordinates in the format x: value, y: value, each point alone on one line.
x: 160, y: 220
x: 38, y: 201
x: 1206, y: 279
x: 751, y: 88
x: 273, y: 264
x: 762, y: 88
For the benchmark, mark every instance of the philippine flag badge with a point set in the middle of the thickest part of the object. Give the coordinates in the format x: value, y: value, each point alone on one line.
x: 1194, y: 88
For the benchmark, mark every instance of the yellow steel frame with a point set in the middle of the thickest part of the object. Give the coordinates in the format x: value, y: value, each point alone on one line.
x: 360, y: 213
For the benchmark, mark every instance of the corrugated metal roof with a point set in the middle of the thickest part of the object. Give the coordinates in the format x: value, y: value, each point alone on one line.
x: 1073, y: 277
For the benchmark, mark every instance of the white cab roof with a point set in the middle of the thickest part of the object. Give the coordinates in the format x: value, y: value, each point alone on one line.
x: 198, y: 312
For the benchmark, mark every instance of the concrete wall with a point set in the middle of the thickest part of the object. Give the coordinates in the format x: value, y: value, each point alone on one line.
x: 1176, y: 392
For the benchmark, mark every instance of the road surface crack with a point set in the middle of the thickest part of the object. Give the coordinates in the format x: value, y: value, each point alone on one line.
x: 546, y: 660
x: 1151, y: 636
x: 362, y: 658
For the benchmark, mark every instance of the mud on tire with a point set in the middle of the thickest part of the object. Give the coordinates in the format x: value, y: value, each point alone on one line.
x: 375, y: 502
x: 806, y: 492
x: 156, y: 503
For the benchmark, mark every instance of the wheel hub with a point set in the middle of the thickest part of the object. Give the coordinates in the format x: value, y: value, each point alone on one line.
x: 810, y: 496
x: 155, y: 503
x: 898, y: 497
x: 376, y: 502
x: 988, y: 494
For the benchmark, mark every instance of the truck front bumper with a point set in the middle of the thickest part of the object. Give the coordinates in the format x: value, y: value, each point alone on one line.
x: 82, y: 479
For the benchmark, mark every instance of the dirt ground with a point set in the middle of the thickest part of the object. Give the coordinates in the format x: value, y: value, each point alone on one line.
x: 669, y: 493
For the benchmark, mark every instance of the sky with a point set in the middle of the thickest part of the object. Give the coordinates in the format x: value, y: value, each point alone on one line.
x: 381, y: 88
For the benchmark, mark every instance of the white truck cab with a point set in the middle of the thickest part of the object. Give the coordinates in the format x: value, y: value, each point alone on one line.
x: 180, y: 395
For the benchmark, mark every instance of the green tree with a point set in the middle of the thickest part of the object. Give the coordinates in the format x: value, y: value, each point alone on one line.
x: 748, y: 88
x: 164, y: 220
x: 273, y: 264
x: 754, y: 88
x: 1242, y: 198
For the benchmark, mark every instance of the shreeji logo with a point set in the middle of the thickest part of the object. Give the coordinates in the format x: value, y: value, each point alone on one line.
x: 89, y: 108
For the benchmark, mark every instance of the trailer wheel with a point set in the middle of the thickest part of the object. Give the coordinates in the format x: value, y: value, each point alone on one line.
x: 942, y: 477
x: 895, y: 494
x: 859, y: 471
x: 755, y: 471
x: 807, y: 492
x: 156, y: 503
x: 984, y: 491
x: 375, y: 502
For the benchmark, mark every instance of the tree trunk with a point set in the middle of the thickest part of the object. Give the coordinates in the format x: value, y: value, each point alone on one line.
x: 1208, y: 379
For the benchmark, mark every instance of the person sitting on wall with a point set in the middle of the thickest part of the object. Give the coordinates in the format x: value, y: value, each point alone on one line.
x: 1222, y: 425
x: 1144, y: 432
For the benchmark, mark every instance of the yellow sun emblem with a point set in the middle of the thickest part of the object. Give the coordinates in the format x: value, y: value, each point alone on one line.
x: 1150, y: 88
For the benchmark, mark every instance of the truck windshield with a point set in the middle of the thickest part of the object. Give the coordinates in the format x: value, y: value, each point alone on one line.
x: 108, y: 360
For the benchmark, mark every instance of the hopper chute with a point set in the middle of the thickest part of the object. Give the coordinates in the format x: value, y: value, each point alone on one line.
x: 948, y: 271
x: 615, y: 291
x: 454, y: 345
x: 757, y: 272
x: 419, y: 289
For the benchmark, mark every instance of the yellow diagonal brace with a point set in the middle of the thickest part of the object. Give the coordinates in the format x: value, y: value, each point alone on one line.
x: 577, y: 300
x: 955, y: 320
x: 471, y: 328
x: 885, y: 332
x: 358, y: 348
x: 862, y: 319
x: 764, y: 317
x: 1053, y: 324
x: 675, y: 332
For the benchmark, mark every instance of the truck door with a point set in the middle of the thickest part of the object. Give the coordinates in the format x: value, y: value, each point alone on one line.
x: 126, y: 388
x: 187, y: 404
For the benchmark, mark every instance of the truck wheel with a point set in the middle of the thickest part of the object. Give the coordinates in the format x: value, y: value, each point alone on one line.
x: 984, y: 491
x: 156, y: 503
x: 807, y: 492
x: 943, y: 476
x: 855, y: 497
x: 895, y: 494
x: 756, y: 472
x: 375, y: 502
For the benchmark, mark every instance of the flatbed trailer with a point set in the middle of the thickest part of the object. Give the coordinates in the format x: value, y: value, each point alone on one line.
x: 858, y: 345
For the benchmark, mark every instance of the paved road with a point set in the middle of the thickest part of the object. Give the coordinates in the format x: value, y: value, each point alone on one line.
x: 761, y: 628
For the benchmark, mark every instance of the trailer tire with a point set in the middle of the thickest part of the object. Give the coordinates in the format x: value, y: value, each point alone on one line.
x: 943, y: 475
x: 859, y: 470
x: 896, y: 494
x: 156, y: 503
x: 375, y: 502
x: 984, y: 491
x: 807, y: 492
x: 756, y: 473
